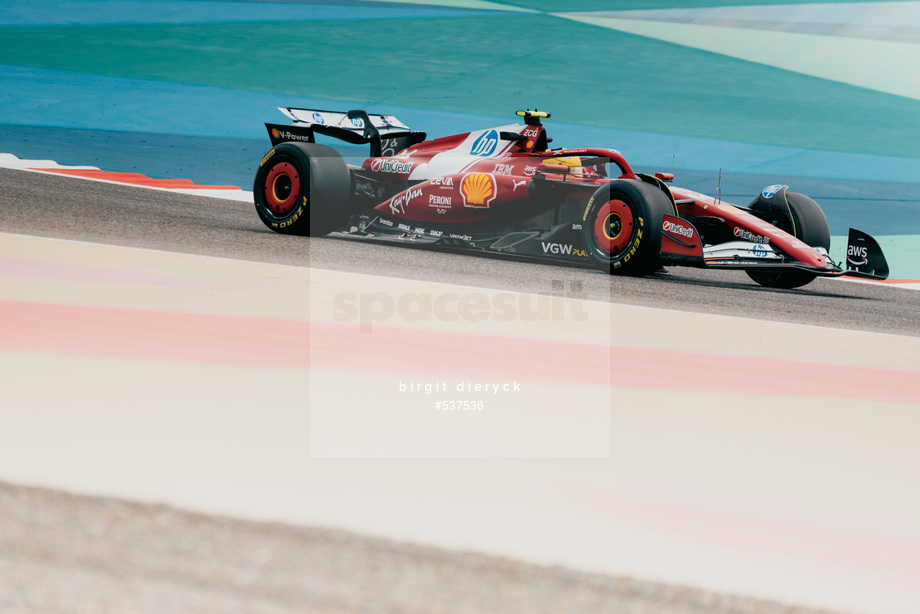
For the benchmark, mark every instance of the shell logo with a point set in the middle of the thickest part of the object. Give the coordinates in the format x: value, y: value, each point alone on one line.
x: 478, y: 190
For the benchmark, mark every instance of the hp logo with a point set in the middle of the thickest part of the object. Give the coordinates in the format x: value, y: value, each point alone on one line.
x: 486, y: 144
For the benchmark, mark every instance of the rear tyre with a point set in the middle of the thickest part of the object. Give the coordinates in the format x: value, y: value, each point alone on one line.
x: 621, y: 227
x: 302, y: 189
x: 803, y: 219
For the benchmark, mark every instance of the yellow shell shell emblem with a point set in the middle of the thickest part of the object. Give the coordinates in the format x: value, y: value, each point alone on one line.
x: 478, y: 190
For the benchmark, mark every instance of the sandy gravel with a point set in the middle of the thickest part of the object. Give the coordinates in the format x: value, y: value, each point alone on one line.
x: 65, y: 553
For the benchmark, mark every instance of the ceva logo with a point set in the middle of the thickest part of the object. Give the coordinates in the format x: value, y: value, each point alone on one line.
x: 486, y: 144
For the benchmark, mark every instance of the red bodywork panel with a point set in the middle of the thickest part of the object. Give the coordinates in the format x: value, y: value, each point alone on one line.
x: 474, y: 176
x: 457, y: 198
x: 747, y: 227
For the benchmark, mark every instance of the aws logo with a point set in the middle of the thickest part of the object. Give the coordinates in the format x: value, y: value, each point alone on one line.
x: 856, y: 255
x: 486, y: 144
x: 478, y: 190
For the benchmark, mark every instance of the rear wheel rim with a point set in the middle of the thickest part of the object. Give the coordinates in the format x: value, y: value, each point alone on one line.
x: 613, y: 227
x: 282, y: 189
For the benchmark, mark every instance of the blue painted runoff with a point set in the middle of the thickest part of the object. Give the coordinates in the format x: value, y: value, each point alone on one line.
x: 40, y: 97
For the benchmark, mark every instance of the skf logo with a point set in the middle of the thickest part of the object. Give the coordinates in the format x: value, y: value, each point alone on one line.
x: 478, y: 190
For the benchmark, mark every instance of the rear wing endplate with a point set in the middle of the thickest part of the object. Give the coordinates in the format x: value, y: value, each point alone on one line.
x: 385, y: 134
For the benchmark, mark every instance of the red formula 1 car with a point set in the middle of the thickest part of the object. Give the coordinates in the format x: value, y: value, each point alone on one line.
x: 502, y: 190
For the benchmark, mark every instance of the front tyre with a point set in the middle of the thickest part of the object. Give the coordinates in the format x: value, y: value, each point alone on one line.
x: 621, y: 227
x: 302, y: 189
x: 801, y: 217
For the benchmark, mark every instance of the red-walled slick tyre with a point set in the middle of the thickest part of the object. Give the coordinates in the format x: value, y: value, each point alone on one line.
x: 302, y: 189
x: 621, y: 227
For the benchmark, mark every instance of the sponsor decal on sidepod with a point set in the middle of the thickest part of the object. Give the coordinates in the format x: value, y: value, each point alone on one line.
x: 478, y: 190
x: 399, y: 202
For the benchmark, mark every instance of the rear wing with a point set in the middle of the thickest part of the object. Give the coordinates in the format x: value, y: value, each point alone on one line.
x: 385, y: 134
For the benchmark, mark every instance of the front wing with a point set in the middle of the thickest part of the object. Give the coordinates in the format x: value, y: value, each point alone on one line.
x: 680, y: 245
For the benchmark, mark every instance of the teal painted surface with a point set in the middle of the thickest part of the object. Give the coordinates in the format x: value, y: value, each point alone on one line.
x: 901, y: 251
x: 582, y: 73
x: 556, y: 6
x: 122, y: 12
x: 666, y: 106
x: 134, y: 105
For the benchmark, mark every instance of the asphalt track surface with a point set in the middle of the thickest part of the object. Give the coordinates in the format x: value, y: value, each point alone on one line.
x: 66, y: 208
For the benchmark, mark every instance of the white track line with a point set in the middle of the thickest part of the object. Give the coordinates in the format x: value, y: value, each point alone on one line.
x: 48, y: 167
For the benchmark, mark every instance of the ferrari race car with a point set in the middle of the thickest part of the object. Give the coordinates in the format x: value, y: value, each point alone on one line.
x: 503, y: 190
